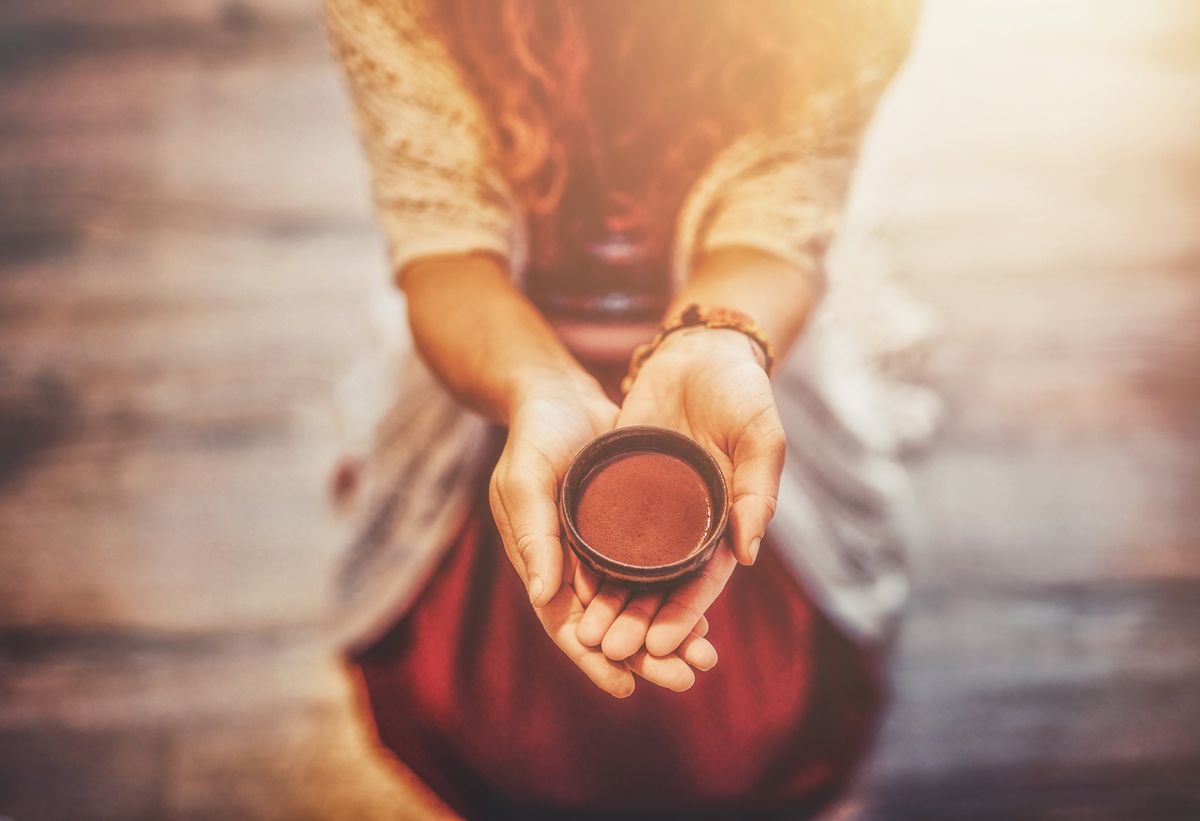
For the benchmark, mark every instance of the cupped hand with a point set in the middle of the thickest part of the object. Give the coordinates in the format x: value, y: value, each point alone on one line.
x: 548, y: 427
x: 710, y: 385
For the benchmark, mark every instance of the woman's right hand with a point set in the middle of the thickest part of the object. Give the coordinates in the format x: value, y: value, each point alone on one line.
x: 550, y: 422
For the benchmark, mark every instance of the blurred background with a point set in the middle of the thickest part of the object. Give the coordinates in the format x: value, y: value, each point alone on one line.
x: 186, y: 251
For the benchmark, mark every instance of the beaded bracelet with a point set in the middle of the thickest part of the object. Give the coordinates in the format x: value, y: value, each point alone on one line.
x: 702, y: 316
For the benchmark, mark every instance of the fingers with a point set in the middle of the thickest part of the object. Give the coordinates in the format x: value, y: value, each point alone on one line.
x: 610, y: 603
x: 686, y: 603
x: 601, y: 612
x: 628, y: 632
x: 671, y: 672
x: 675, y: 671
x: 698, y: 652
x: 586, y: 584
x: 522, y: 499
x: 560, y: 619
x: 604, y: 606
x: 757, y: 464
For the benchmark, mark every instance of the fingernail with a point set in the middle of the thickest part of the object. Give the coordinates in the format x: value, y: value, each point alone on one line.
x: 754, y: 546
x: 535, y: 588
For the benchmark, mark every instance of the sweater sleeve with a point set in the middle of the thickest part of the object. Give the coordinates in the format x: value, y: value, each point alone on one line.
x: 434, y: 188
x: 783, y: 191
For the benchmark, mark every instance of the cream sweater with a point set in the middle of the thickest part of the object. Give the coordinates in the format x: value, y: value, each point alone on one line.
x: 844, y: 509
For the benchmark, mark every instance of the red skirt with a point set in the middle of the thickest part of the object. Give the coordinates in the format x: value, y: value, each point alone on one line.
x: 468, y: 691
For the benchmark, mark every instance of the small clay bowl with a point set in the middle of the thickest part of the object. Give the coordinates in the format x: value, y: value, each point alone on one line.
x: 635, y: 439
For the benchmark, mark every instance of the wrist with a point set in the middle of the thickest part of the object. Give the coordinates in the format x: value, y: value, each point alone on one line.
x: 704, y: 319
x: 569, y: 383
x: 708, y: 343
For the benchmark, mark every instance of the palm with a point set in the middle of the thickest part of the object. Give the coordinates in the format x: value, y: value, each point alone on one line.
x: 716, y: 394
x: 562, y: 427
x: 544, y: 436
x: 713, y: 406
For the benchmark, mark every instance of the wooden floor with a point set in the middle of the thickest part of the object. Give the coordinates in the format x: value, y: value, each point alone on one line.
x: 185, y: 256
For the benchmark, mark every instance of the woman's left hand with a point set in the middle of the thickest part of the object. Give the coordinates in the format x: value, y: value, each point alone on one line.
x: 710, y: 385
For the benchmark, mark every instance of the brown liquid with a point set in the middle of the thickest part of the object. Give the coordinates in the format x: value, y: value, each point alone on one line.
x: 644, y: 508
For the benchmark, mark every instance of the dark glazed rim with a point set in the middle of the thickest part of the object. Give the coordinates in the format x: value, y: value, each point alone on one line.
x: 633, y: 439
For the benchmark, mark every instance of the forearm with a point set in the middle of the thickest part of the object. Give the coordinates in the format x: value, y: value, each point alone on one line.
x: 774, y: 293
x: 482, y: 337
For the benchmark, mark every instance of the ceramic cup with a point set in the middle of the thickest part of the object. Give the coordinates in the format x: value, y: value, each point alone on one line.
x: 634, y: 439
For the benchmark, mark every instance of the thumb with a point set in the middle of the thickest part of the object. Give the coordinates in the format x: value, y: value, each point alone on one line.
x: 523, y: 503
x: 757, y: 466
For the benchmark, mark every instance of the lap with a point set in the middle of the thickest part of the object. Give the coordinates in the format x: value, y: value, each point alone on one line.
x: 469, y: 692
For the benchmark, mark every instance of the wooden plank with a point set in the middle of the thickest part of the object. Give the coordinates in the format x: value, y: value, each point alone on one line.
x: 127, y: 725
x: 185, y: 250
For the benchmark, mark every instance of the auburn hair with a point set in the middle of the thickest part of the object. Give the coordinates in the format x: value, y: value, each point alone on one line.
x: 604, y: 112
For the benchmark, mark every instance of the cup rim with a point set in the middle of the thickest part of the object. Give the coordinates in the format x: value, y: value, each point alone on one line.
x: 643, y: 438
